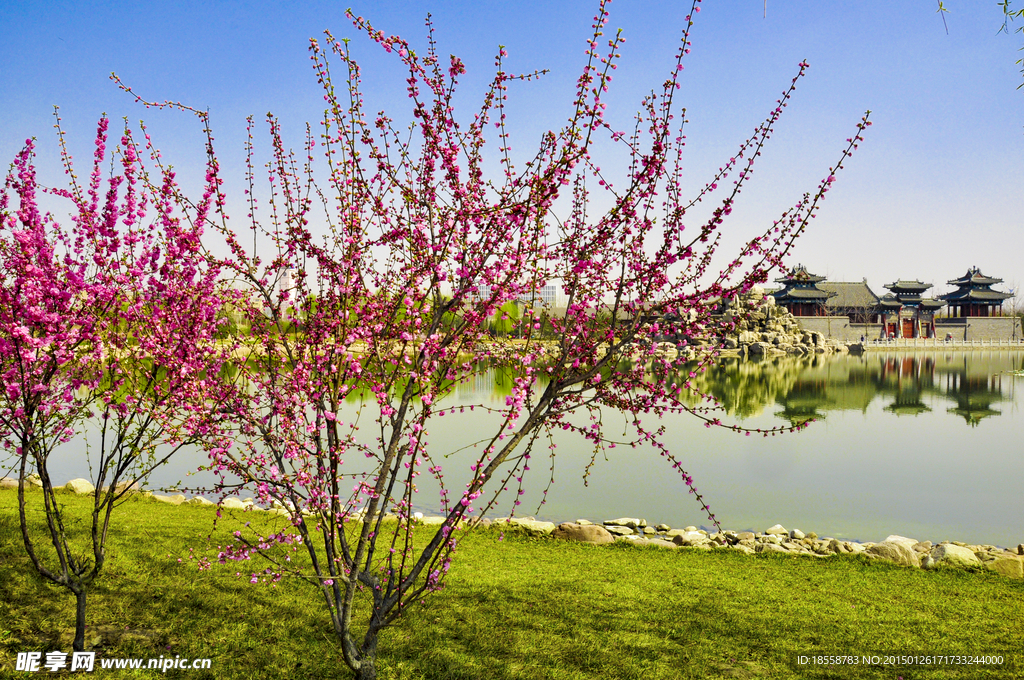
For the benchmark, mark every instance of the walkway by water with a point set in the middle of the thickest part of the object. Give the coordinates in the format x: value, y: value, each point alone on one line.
x: 935, y: 344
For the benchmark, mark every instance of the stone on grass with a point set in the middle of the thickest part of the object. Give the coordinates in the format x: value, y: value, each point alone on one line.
x: 656, y: 542
x: 176, y: 499
x: 582, y: 533
x: 618, y: 531
x: 231, y: 503
x: 631, y: 522
x: 954, y: 556
x: 770, y: 548
x: 1007, y: 566
x: 535, y: 527
x: 8, y: 483
x: 80, y: 486
x: 198, y: 500
x: 909, y: 542
x: 777, y: 530
x: 126, y: 486
x: 690, y: 538
x: 900, y: 553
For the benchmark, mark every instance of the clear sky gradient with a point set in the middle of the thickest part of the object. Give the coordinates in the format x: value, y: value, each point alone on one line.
x: 933, y: 190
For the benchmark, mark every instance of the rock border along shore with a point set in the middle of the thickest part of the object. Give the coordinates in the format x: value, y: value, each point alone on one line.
x: 776, y: 539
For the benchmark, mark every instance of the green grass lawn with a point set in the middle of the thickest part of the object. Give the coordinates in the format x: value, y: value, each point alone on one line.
x: 515, y: 608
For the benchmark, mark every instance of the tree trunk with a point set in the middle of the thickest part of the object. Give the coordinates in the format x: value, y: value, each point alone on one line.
x: 368, y: 666
x: 368, y: 669
x: 79, y: 644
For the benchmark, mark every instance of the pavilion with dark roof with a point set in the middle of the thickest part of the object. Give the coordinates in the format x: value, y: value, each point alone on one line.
x: 854, y: 300
x: 916, y: 316
x: 800, y: 293
x: 974, y: 296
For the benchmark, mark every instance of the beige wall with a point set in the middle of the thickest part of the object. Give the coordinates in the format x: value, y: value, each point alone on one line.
x: 974, y: 328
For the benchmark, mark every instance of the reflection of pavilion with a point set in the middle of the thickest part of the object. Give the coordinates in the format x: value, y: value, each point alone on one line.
x: 908, y: 404
x: 974, y: 395
x: 810, y: 389
x: 801, y: 403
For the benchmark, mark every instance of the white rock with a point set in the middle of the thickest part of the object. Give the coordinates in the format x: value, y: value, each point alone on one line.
x: 797, y: 535
x: 694, y: 539
x: 909, y: 542
x: 777, y: 530
x: 232, y: 503
x: 619, y: 531
x: 897, y: 552
x: 954, y: 556
x: 535, y: 527
x: 80, y: 486
x: 176, y: 499
x: 631, y: 522
x: 770, y: 547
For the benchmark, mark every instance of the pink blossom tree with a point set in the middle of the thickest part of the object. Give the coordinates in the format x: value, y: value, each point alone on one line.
x: 107, y: 325
x: 396, y: 265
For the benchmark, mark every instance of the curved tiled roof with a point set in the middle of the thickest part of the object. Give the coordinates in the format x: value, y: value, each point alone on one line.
x: 849, y: 295
x: 974, y: 277
x: 913, y: 287
x: 799, y: 274
x: 975, y: 295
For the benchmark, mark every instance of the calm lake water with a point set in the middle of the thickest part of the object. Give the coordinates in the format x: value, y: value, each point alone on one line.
x: 924, y: 445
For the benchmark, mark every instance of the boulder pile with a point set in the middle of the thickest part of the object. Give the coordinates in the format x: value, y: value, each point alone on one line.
x: 756, y: 326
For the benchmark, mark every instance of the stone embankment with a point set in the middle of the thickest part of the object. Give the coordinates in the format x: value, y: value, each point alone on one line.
x: 901, y: 550
x: 776, y: 539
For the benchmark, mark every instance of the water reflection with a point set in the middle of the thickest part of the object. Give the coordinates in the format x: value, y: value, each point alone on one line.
x: 968, y: 385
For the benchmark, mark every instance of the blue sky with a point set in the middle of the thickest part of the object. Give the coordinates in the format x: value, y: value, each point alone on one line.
x: 933, y: 190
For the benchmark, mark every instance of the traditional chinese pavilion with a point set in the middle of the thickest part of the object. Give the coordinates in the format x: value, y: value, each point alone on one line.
x: 800, y: 293
x: 974, y: 295
x: 915, y: 314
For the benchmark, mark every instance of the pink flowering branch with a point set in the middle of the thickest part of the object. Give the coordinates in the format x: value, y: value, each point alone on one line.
x: 386, y: 285
x: 109, y: 322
